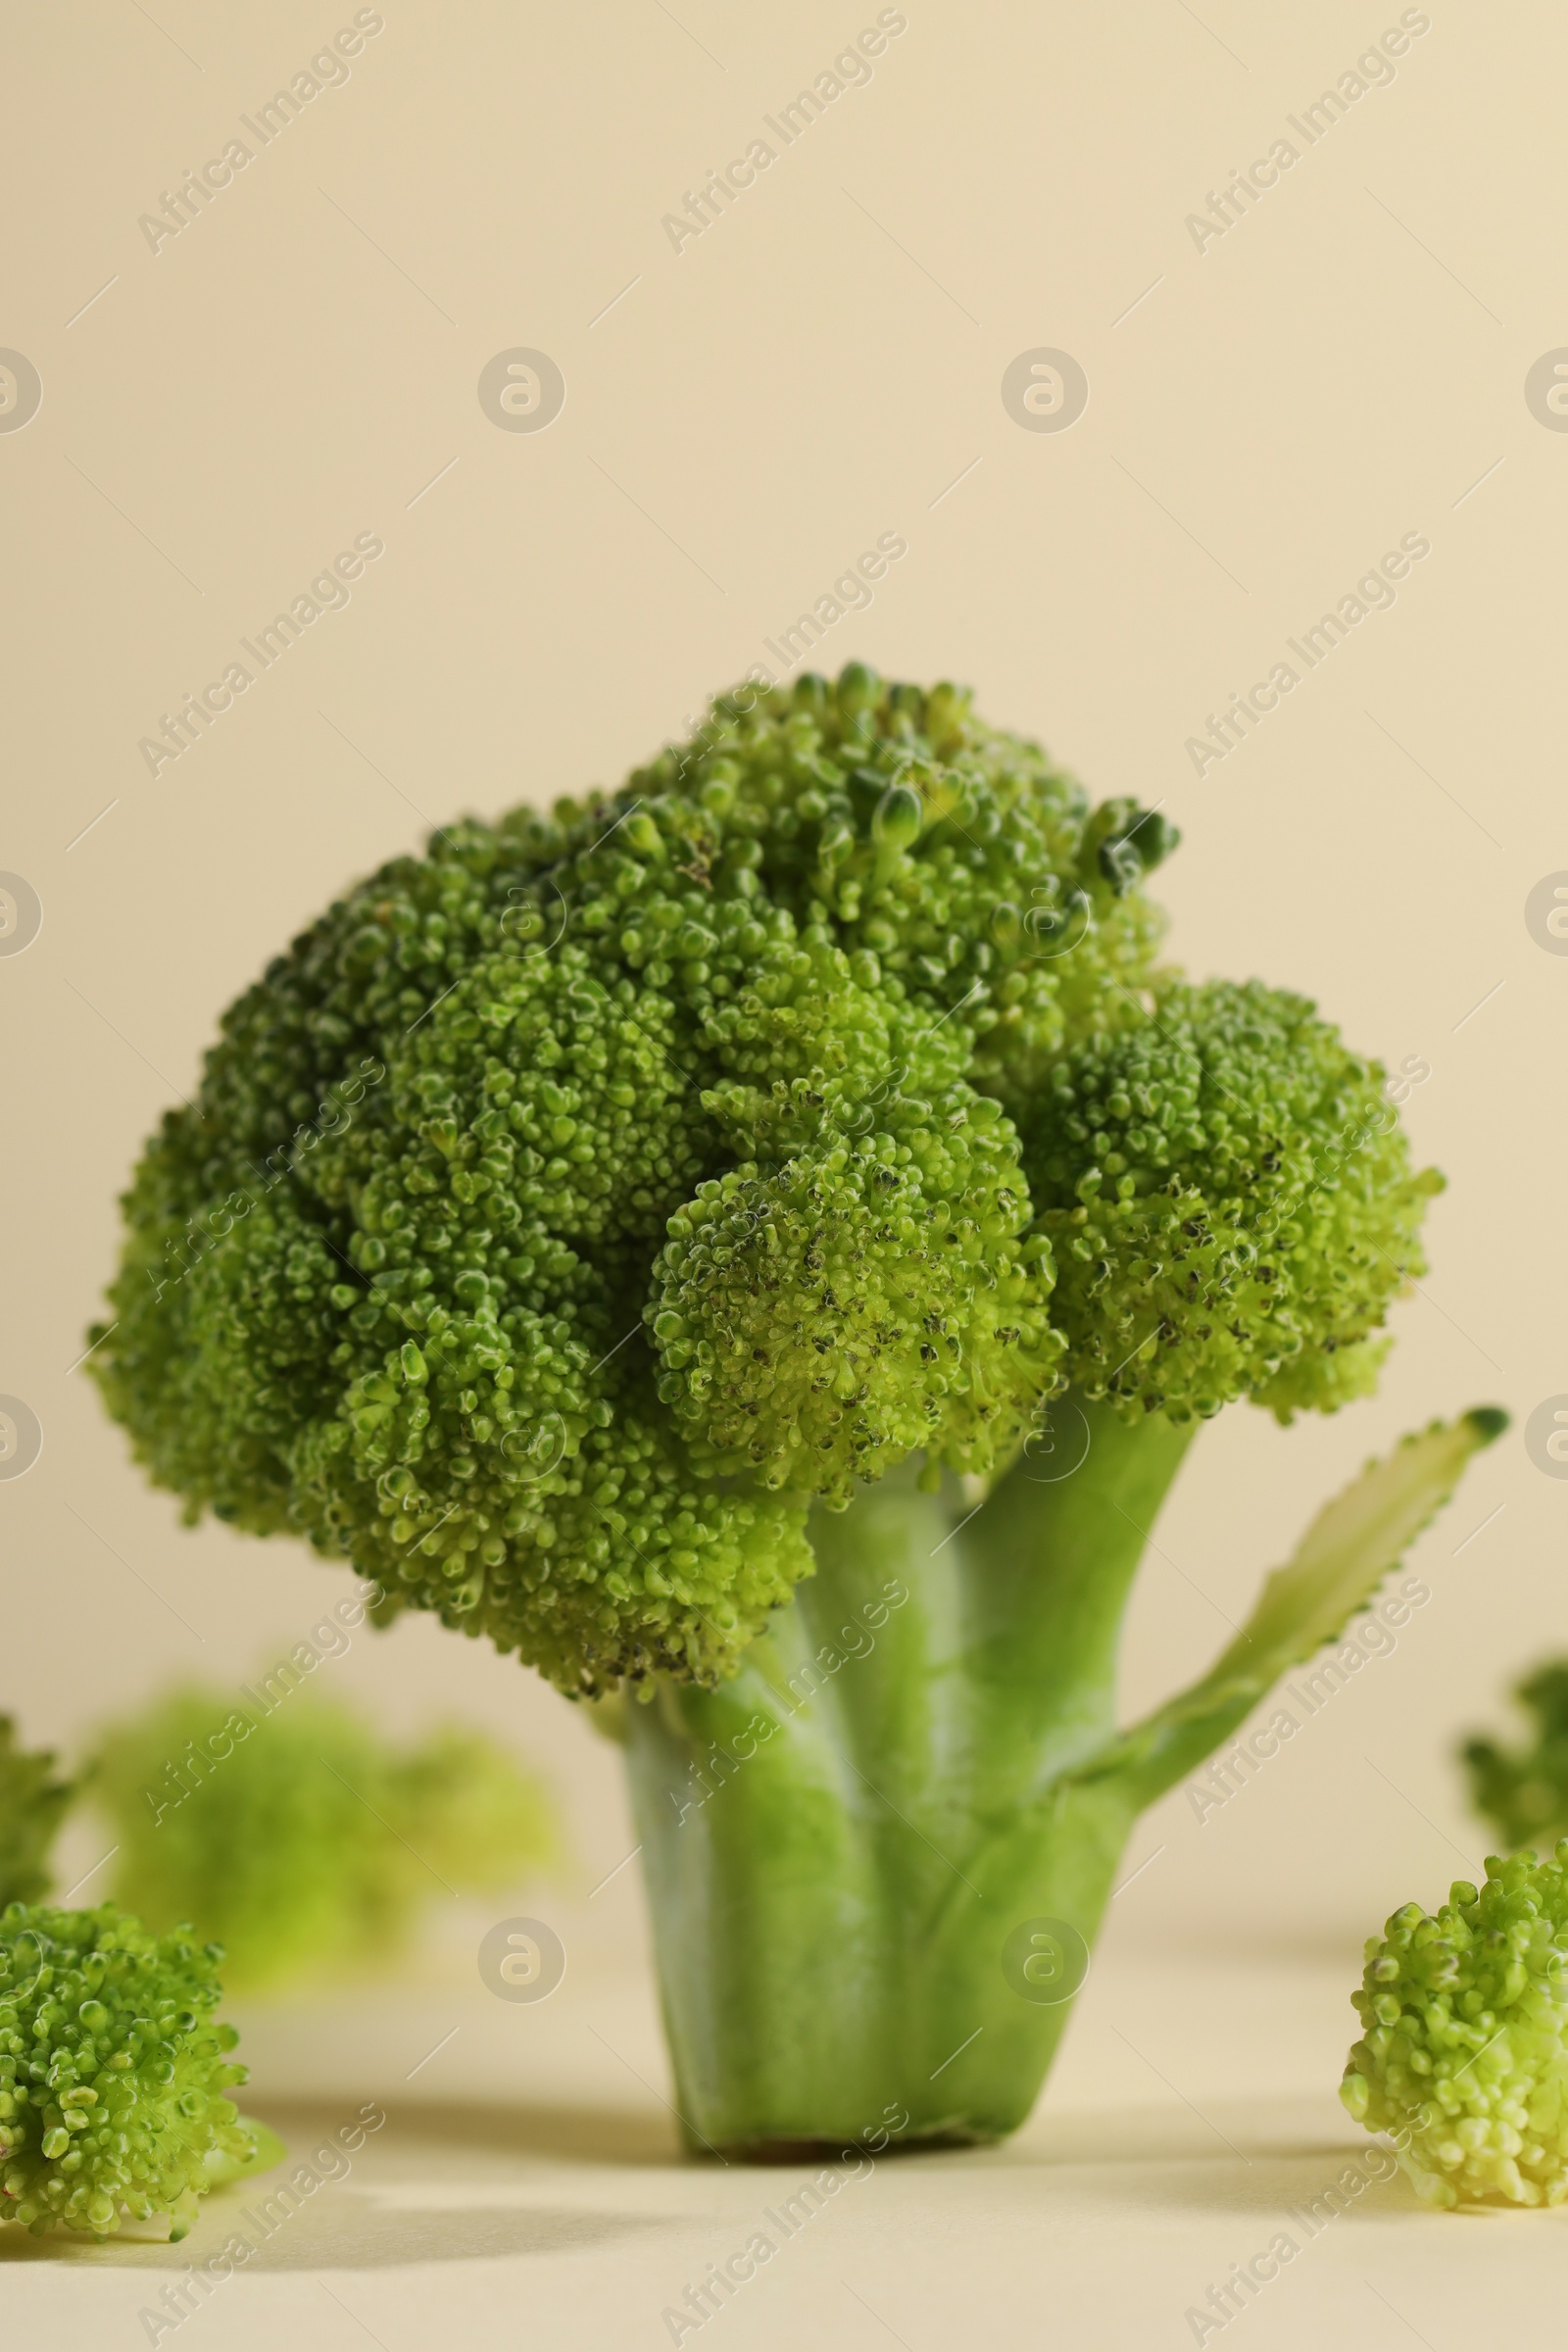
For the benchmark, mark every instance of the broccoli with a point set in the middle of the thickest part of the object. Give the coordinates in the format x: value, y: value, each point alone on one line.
x: 1465, y: 2058
x: 112, y: 2074
x: 763, y: 1238
x: 33, y: 1804
x: 1523, y: 1792
x: 302, y: 1841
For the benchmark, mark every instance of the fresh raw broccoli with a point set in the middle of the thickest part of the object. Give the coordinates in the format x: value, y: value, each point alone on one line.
x: 301, y: 1840
x: 113, y: 2074
x: 1465, y: 2057
x: 33, y: 1804
x: 766, y: 1237
x: 1523, y: 1792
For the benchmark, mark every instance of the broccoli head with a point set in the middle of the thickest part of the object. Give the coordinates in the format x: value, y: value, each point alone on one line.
x: 33, y: 1804
x: 1523, y: 1792
x: 570, y: 1208
x: 112, y: 2073
x: 1464, y: 2062
x: 306, y: 1842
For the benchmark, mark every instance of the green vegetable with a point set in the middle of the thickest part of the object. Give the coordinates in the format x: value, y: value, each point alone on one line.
x: 32, y: 1804
x: 1523, y: 1792
x: 608, y: 1222
x: 305, y: 1842
x: 112, y: 2074
x: 1465, y: 2056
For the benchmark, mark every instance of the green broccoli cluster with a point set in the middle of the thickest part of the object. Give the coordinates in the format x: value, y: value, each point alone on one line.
x: 305, y: 1842
x: 1246, y: 1207
x: 570, y: 1208
x: 112, y: 2074
x: 1464, y: 2062
x: 1523, y: 1790
x: 33, y: 1804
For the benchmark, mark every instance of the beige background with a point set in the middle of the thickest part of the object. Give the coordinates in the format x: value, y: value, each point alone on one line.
x: 1345, y: 365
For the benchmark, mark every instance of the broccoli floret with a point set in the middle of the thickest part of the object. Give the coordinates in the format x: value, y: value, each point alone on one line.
x: 32, y: 1805
x: 1523, y: 1792
x: 567, y: 1208
x: 1230, y: 1202
x: 112, y: 2073
x: 304, y: 1841
x: 1464, y: 2061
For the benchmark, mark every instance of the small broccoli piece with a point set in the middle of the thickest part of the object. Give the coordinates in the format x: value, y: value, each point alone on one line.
x: 1230, y: 1202
x: 33, y: 1804
x: 112, y: 2074
x: 1465, y: 2057
x: 304, y: 1841
x: 1523, y: 1792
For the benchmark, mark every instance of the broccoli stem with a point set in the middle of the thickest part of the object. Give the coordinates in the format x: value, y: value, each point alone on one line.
x: 917, y: 1765
x: 838, y: 1842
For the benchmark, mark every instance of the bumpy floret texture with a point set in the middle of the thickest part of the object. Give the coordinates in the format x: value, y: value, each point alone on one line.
x: 1246, y: 1208
x: 1464, y: 2061
x: 300, y: 1837
x: 112, y: 2073
x: 572, y: 1206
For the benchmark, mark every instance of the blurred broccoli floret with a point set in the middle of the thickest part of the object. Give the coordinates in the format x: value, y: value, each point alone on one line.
x: 33, y: 1804
x: 304, y: 1840
x: 1523, y: 1792
x: 112, y: 2074
x: 1465, y: 2057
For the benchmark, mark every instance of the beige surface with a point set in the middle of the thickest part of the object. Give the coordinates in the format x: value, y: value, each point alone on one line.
x: 1344, y: 366
x: 526, y: 2190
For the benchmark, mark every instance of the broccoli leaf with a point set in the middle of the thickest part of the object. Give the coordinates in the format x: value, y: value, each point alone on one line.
x: 1346, y: 1553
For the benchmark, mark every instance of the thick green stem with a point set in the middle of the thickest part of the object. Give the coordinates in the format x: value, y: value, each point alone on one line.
x: 868, y: 1854
x: 839, y: 1842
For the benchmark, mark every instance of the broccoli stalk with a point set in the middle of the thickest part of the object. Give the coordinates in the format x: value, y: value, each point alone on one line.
x: 838, y: 1852
x: 649, y: 1234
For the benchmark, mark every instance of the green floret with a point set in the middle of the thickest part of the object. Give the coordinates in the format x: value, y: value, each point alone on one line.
x: 33, y: 1804
x: 1465, y: 2057
x: 112, y: 2074
x: 1523, y: 1790
x: 569, y: 1208
x: 1230, y: 1202
x: 302, y: 1839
